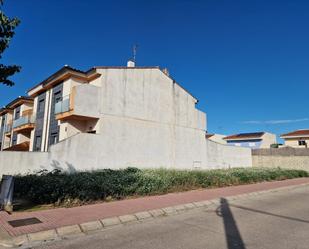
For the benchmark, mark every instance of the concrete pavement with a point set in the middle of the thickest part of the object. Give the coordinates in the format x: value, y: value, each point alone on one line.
x: 270, y: 220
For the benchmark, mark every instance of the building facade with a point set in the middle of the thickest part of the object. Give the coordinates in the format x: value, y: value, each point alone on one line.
x: 296, y: 139
x: 252, y: 140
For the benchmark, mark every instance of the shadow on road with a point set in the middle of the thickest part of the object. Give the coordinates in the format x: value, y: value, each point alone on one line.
x: 271, y: 214
x: 232, y: 234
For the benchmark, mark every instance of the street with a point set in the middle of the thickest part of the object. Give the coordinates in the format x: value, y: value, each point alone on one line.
x: 273, y: 220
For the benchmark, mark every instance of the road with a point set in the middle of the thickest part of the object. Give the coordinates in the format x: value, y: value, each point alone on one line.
x: 274, y: 220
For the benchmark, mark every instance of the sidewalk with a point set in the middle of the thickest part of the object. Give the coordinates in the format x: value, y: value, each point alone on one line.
x: 60, y: 217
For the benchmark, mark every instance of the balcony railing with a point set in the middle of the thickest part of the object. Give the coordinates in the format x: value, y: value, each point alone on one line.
x: 23, y: 120
x: 63, y: 105
x: 8, y: 128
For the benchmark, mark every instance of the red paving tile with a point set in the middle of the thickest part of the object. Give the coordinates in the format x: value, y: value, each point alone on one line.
x: 69, y: 216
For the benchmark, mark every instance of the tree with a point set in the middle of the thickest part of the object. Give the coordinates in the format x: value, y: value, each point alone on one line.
x: 7, y: 31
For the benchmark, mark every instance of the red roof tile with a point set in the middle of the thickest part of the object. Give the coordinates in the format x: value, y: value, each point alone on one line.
x: 297, y: 133
x: 251, y: 135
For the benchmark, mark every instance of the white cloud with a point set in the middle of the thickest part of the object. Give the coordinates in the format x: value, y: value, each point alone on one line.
x: 279, y: 121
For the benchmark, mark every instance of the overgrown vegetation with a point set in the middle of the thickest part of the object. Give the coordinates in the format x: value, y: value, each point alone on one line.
x: 68, y: 189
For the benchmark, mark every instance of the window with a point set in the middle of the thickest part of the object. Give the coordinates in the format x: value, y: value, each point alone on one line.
x: 53, y: 138
x: 17, y: 113
x: 251, y: 144
x: 302, y: 143
x: 41, y: 106
x: 37, y: 145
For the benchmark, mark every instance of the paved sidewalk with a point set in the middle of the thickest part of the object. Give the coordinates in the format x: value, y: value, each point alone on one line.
x: 60, y: 217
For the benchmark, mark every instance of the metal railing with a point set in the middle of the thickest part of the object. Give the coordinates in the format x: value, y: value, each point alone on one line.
x: 63, y: 105
x: 23, y: 120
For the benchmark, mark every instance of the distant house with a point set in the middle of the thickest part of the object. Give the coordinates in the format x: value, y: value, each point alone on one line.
x: 252, y: 140
x: 298, y: 138
x: 218, y: 138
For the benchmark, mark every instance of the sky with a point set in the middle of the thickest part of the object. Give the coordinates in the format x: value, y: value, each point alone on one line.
x: 247, y: 62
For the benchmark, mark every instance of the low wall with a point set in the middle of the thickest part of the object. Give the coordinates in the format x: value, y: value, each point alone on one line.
x: 84, y: 152
x: 287, y: 157
x: 15, y: 162
x: 226, y: 156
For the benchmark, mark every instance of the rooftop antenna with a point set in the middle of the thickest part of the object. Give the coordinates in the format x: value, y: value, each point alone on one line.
x: 134, y: 52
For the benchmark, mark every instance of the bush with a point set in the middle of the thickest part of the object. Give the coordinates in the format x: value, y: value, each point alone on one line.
x: 58, y: 187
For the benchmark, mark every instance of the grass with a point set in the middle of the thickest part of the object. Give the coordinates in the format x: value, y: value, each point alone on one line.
x: 50, y: 189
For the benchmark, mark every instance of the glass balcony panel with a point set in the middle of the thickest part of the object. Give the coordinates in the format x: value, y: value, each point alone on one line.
x: 23, y: 120
x: 63, y: 105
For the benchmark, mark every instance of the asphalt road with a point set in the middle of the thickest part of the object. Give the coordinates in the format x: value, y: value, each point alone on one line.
x: 277, y: 220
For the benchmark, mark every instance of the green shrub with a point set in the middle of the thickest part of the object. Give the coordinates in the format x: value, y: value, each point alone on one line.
x: 58, y: 187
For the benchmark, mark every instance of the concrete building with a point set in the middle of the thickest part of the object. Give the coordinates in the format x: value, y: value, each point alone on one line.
x: 218, y: 138
x: 252, y: 140
x: 115, y: 117
x: 297, y: 139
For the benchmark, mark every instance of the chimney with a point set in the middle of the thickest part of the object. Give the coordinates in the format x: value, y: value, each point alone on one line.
x: 130, y: 63
x: 165, y: 70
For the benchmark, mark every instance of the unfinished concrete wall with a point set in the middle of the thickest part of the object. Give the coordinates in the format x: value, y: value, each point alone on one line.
x: 92, y: 151
x: 14, y: 162
x: 286, y: 157
x: 226, y: 156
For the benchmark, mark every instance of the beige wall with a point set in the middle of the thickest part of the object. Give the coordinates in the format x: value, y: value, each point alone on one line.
x: 293, y: 142
x: 268, y: 139
x: 286, y: 157
x: 218, y: 138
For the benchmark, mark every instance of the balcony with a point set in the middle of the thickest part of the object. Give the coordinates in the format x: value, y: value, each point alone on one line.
x: 24, y: 123
x: 63, y: 105
x: 81, y: 104
x: 8, y: 129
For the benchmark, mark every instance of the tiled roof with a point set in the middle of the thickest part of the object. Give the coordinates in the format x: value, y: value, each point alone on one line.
x: 251, y: 135
x: 18, y: 100
x: 297, y: 133
x: 208, y: 135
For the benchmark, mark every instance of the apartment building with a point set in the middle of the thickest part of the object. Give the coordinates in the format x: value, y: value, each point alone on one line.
x: 72, y: 101
x: 17, y: 123
x: 252, y: 140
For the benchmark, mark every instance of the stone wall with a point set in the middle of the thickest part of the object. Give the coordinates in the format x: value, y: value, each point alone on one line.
x: 287, y: 157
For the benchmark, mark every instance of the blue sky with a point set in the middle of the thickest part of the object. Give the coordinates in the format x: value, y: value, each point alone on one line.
x: 246, y: 61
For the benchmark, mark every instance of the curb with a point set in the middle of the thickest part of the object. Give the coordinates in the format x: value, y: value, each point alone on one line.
x: 66, y: 232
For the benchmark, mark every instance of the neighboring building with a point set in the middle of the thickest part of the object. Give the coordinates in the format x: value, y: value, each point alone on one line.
x: 252, y: 140
x: 218, y: 138
x: 297, y: 139
x: 6, y: 117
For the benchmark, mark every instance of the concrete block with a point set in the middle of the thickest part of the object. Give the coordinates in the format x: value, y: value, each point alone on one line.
x: 156, y: 212
x: 91, y: 226
x: 189, y: 206
x: 19, y: 240
x: 143, y: 215
x: 127, y: 218
x: 180, y: 208
x: 216, y: 201
x: 169, y: 210
x: 68, y: 230
x: 43, y: 236
x: 13, y: 241
x: 206, y: 203
x: 108, y: 222
x: 198, y: 204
